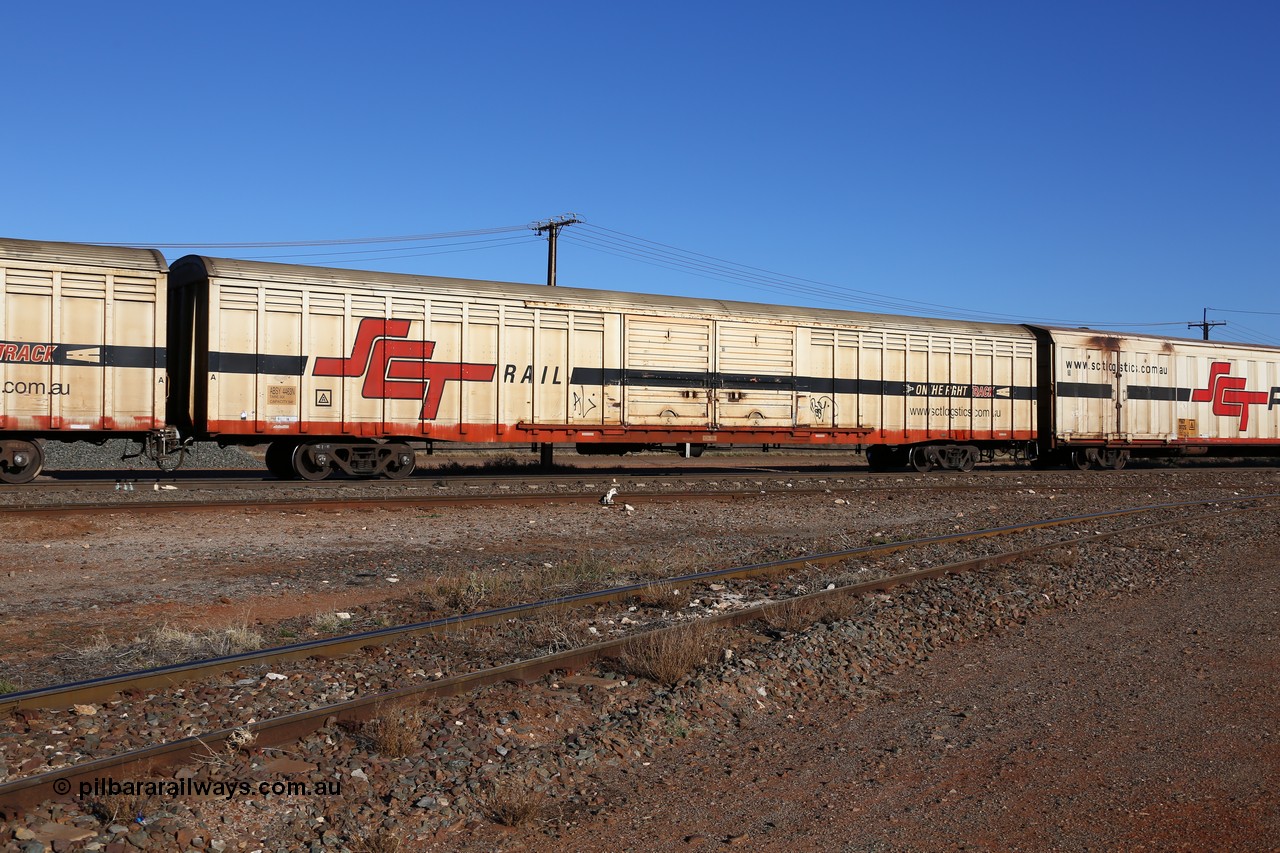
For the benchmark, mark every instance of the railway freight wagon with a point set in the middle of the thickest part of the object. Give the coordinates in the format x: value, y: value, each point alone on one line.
x: 341, y: 369
x: 1116, y: 395
x: 82, y: 350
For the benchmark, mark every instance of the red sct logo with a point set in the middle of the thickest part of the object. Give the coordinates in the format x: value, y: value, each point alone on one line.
x: 400, y: 369
x: 1228, y: 395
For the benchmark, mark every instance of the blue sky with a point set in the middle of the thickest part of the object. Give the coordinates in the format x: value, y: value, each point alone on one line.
x: 1115, y: 164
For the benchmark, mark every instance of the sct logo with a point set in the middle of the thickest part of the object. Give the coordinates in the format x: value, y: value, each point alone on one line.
x: 400, y: 369
x: 1228, y: 395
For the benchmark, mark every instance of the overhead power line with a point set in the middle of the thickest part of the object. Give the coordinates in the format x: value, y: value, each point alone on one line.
x: 1254, y: 335
x: 1239, y: 311
x: 653, y: 253
x: 706, y: 266
x: 619, y: 244
x: 350, y: 241
x: 385, y: 254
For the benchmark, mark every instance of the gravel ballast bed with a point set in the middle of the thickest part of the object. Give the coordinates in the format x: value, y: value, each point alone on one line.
x: 563, y: 741
x: 52, y: 739
x: 111, y: 456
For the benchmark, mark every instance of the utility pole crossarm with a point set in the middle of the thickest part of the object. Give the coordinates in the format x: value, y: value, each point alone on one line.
x: 551, y: 227
x: 1204, y: 325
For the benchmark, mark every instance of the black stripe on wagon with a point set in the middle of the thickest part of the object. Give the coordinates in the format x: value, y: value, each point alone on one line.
x: 122, y: 356
x: 1157, y: 392
x: 89, y: 355
x: 248, y: 362
x: 827, y: 385
x: 808, y: 384
x: 1092, y: 390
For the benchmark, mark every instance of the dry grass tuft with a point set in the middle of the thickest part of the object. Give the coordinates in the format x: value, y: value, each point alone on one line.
x: 327, y: 622
x: 662, y: 595
x: 800, y: 614
x: 541, y: 634
x: 669, y: 655
x: 514, y: 802
x: 473, y: 591
x: 121, y: 808
x: 241, y: 738
x: 583, y: 572
x: 377, y: 841
x: 97, y: 648
x: 169, y: 643
x: 395, y: 730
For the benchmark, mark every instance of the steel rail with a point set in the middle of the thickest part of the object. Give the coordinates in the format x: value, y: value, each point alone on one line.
x: 390, y: 492
x: 364, y: 502
x: 22, y: 794
x: 100, y: 689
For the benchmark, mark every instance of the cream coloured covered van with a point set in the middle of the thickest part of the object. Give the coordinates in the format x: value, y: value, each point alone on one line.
x: 340, y: 369
x: 82, y: 347
x: 1117, y: 393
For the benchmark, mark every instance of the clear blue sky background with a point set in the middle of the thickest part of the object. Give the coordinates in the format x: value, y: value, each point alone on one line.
x: 1105, y: 163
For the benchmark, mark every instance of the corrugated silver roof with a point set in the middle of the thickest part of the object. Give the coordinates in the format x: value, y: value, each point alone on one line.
x: 560, y: 297
x: 82, y: 255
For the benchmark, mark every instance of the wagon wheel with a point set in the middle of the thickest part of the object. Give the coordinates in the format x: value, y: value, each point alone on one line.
x: 968, y: 458
x: 402, y: 462
x: 1080, y: 459
x: 279, y: 459
x: 20, y: 461
x: 1113, y: 459
x: 311, y: 466
x: 920, y: 460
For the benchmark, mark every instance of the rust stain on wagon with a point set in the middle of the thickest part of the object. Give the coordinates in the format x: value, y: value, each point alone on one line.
x: 1106, y: 343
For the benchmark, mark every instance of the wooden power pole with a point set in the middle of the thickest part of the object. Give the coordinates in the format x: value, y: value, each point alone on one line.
x: 551, y: 227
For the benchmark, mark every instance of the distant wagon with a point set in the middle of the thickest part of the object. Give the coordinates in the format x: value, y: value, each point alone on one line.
x: 82, y: 350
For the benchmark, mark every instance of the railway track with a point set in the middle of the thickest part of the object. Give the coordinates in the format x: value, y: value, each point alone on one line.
x: 283, y: 728
x: 100, y: 496
x: 362, y: 502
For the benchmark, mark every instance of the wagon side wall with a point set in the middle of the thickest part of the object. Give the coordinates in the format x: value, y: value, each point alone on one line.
x: 1152, y: 393
x: 320, y: 360
x: 82, y: 340
x: 297, y: 351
